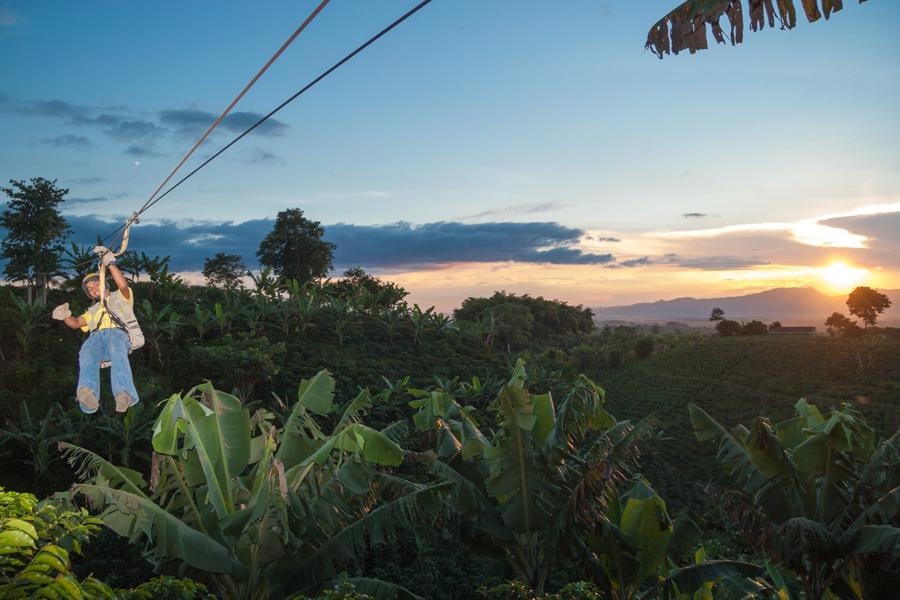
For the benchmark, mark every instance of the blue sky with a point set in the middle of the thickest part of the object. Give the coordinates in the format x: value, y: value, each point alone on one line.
x: 502, y: 116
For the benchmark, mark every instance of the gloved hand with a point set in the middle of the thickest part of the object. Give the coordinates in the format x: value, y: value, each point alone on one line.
x: 106, y: 255
x: 62, y: 312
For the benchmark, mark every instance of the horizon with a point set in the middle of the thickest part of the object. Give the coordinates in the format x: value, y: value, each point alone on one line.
x: 478, y: 149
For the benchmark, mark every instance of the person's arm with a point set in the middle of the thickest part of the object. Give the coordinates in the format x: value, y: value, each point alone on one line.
x: 62, y: 313
x: 119, y: 280
x: 75, y: 322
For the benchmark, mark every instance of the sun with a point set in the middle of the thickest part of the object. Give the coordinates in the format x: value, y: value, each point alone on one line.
x: 841, y: 277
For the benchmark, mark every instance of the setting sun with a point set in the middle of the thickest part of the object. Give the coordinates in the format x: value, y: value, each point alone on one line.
x: 841, y: 277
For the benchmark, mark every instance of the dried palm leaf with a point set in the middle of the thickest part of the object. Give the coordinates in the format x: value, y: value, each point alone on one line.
x: 685, y: 27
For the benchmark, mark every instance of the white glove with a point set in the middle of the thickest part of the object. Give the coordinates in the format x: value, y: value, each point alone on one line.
x: 62, y: 312
x: 106, y: 255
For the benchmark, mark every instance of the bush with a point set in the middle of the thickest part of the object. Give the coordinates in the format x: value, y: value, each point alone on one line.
x: 167, y: 588
x: 755, y: 328
x: 728, y: 328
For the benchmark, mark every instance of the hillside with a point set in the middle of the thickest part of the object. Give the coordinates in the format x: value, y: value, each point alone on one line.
x: 737, y: 379
x: 791, y: 306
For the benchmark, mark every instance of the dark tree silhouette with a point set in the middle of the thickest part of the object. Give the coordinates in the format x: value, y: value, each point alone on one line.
x: 717, y: 314
x: 224, y: 270
x: 35, y: 232
x: 294, y: 249
x: 867, y: 304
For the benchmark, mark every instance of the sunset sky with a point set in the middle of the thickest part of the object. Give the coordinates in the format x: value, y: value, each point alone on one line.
x: 531, y: 146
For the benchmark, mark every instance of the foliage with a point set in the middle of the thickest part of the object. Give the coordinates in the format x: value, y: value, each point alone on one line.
x: 515, y: 320
x: 867, y: 304
x: 294, y: 249
x: 369, y: 293
x: 264, y: 510
x: 827, y: 496
x: 224, y: 270
x: 167, y: 588
x: 754, y: 328
x: 727, y: 328
x: 717, y: 315
x: 839, y: 324
x: 35, y: 542
x: 35, y: 232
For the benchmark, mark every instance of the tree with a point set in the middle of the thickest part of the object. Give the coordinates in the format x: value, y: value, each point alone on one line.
x: 717, y: 314
x: 294, y: 249
x: 867, y: 304
x: 225, y: 270
x: 685, y: 27
x: 755, y: 328
x: 367, y: 292
x: 774, y: 325
x: 728, y: 328
x: 839, y: 324
x: 35, y: 232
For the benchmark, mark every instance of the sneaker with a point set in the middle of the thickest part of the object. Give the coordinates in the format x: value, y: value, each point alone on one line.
x: 87, y: 401
x: 124, y: 401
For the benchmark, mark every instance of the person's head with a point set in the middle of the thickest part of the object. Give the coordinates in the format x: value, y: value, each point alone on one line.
x: 90, y: 285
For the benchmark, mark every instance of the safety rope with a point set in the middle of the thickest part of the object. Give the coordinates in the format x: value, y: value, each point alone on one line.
x: 269, y: 115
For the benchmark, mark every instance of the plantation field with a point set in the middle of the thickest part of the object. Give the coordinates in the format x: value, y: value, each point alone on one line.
x: 737, y: 379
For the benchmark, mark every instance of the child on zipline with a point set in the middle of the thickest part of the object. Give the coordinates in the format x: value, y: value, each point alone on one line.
x: 114, y: 332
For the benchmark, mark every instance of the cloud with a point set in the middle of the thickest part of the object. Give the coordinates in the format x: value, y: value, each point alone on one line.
x: 68, y: 141
x: 603, y: 238
x: 516, y: 209
x: 387, y: 247
x: 139, y: 150
x: 192, y: 122
x: 696, y: 215
x: 91, y: 200
x: 87, y: 180
x: 636, y: 262
x: 8, y: 18
x: 720, y: 263
x: 264, y: 157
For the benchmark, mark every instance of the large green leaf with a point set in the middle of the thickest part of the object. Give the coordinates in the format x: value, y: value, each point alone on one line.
x: 316, y: 394
x: 372, y: 445
x: 135, y: 515
x: 688, y: 580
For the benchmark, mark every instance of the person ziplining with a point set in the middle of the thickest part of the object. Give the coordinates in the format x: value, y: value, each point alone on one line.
x: 113, y: 327
x: 114, y: 333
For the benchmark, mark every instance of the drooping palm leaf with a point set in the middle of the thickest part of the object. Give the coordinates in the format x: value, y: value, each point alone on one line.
x: 685, y: 27
x: 688, y: 580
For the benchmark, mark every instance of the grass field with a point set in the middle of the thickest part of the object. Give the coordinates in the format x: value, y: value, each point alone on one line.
x: 737, y: 379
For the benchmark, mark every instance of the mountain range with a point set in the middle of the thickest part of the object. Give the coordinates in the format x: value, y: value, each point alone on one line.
x: 791, y: 306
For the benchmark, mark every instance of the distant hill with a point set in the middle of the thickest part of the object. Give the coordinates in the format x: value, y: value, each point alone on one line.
x: 791, y: 306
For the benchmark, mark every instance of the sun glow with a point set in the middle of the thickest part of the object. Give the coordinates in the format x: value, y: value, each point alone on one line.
x: 841, y: 277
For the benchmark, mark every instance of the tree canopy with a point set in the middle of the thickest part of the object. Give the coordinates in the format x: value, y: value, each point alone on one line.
x: 35, y: 232
x: 867, y: 304
x: 294, y: 249
x: 224, y: 270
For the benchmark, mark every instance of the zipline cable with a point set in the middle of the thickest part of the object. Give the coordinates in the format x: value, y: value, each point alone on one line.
x: 237, y: 98
x: 134, y: 217
x: 266, y: 117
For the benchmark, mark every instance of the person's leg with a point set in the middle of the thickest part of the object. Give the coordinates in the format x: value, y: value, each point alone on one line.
x: 120, y: 372
x: 87, y: 392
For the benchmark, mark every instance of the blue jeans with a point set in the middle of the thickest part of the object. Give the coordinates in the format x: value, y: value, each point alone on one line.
x: 106, y: 344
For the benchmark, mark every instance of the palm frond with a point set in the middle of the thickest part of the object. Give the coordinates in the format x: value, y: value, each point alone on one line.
x: 685, y: 27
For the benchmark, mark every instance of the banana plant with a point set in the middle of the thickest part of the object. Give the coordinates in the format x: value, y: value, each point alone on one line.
x: 827, y: 496
x: 265, y: 511
x: 537, y: 487
x: 202, y: 320
x: 30, y: 318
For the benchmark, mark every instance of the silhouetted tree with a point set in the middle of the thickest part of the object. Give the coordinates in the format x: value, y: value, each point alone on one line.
x: 224, y: 270
x: 35, y: 232
x: 728, y: 328
x: 294, y: 249
x: 867, y: 304
x: 755, y: 328
x: 839, y: 324
x: 717, y: 314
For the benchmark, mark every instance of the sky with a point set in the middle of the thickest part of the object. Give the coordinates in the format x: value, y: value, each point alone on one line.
x: 531, y: 146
